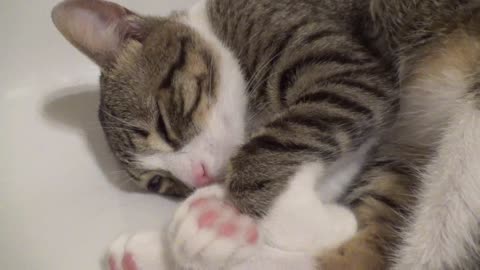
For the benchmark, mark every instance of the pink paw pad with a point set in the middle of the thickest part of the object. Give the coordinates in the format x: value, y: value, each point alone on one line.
x: 128, y: 262
x: 199, y: 203
x: 225, y: 219
x: 207, y: 219
x: 228, y: 229
x: 252, y: 235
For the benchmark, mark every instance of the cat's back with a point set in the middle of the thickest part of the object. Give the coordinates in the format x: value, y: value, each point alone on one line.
x: 280, y: 13
x: 269, y: 36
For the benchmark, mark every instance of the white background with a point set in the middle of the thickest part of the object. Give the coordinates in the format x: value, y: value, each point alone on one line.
x: 62, y: 196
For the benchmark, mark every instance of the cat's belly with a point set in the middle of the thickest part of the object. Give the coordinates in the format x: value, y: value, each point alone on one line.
x: 431, y: 94
x: 419, y: 122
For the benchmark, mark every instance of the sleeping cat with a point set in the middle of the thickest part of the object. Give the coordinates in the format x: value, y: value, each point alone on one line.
x: 179, y: 114
x: 266, y: 96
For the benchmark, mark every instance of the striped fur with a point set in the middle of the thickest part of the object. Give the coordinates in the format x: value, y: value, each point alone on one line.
x: 319, y: 92
x: 316, y: 91
x: 320, y: 84
x: 427, y: 218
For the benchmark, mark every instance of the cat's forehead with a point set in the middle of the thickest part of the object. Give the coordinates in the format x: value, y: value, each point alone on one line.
x: 171, y: 73
x: 170, y: 46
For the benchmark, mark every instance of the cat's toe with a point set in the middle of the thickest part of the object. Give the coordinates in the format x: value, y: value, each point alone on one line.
x: 141, y: 251
x: 116, y: 252
x: 211, y: 234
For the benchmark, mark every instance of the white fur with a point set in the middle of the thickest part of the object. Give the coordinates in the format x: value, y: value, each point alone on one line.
x: 298, y: 226
x: 225, y: 129
x: 146, y: 248
x: 426, y: 105
x: 299, y: 220
x: 302, y: 221
x: 449, y: 210
x: 332, y: 184
x: 435, y: 113
x: 141, y: 245
x: 203, y: 248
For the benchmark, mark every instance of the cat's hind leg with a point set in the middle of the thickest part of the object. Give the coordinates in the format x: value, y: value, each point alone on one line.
x: 380, y: 201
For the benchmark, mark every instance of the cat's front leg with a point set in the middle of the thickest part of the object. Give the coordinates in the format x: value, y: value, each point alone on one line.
x: 264, y: 167
x: 139, y: 251
x: 205, y: 234
x: 208, y: 233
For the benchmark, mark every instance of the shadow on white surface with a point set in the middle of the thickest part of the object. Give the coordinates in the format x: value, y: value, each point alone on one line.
x: 76, y: 108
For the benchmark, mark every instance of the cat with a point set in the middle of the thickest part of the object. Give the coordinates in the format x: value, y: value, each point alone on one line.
x: 175, y: 107
x: 308, y: 85
x: 179, y: 114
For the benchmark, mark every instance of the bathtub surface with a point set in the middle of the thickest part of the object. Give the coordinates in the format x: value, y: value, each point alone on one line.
x: 62, y: 196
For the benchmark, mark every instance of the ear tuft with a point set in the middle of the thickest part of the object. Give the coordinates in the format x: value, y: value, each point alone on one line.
x: 97, y: 28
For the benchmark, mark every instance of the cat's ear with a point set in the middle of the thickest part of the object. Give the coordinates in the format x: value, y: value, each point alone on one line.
x: 98, y: 28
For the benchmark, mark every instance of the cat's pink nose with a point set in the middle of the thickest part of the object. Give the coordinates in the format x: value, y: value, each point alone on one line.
x: 201, y: 176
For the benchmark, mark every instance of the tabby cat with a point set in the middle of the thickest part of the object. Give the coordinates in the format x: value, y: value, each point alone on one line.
x: 275, y: 98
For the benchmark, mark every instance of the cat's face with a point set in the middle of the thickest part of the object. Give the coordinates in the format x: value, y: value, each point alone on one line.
x: 164, y: 107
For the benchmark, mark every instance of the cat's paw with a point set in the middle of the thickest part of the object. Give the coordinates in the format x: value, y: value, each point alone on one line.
x: 143, y: 251
x: 208, y: 233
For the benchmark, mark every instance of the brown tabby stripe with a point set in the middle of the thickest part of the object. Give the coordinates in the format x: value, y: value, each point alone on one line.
x: 384, y: 199
x: 164, y: 132
x: 359, y: 85
x: 282, y: 45
x: 180, y: 62
x: 198, y: 98
x: 128, y: 140
x: 332, y: 99
x: 288, y: 77
x: 271, y: 143
x: 310, y: 122
x: 320, y: 35
x: 288, y: 124
x: 317, y: 115
x: 355, y: 73
x: 277, y: 54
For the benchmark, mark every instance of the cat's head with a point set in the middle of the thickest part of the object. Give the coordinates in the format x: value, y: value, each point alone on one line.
x: 172, y: 102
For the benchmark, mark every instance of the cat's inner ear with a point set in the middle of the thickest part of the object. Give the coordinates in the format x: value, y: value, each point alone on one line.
x: 98, y: 28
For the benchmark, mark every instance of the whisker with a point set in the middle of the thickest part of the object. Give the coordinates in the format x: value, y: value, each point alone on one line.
x: 120, y: 120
